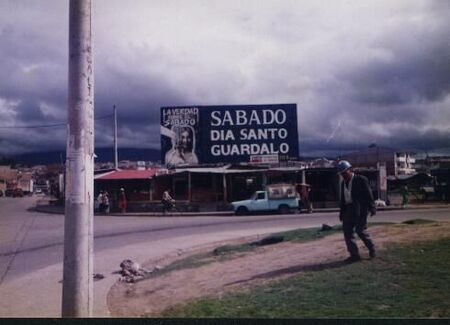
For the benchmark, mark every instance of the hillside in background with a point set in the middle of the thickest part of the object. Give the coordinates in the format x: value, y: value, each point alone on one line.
x: 103, y: 155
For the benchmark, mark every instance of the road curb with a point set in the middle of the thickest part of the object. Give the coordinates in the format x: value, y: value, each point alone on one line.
x: 60, y: 210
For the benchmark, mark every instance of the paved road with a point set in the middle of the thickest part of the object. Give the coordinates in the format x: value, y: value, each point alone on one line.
x: 31, y: 247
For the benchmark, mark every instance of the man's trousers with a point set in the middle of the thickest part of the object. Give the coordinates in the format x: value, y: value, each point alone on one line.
x: 358, y: 224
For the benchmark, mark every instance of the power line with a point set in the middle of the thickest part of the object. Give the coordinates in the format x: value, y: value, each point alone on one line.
x: 33, y: 126
x: 47, y: 125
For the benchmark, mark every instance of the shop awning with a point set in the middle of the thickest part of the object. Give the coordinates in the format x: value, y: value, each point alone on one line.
x: 127, y: 174
x: 218, y: 170
x: 288, y: 169
x: 408, y: 177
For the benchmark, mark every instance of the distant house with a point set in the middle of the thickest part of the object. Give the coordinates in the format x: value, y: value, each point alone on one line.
x: 8, y: 178
x: 397, y: 162
x: 42, y: 185
x: 321, y: 163
x: 442, y: 185
x: 25, y: 182
x: 428, y: 163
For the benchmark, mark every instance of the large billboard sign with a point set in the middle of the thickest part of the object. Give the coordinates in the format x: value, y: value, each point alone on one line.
x: 229, y: 134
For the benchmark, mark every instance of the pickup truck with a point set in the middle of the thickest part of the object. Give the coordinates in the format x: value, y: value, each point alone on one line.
x: 281, y: 198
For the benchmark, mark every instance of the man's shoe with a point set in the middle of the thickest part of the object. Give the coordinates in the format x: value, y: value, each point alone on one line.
x: 352, y: 259
x: 372, y: 254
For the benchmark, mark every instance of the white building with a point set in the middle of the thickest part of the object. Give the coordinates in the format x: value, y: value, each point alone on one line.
x: 404, y: 163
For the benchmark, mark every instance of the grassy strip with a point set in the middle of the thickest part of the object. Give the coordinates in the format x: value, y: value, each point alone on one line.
x: 297, y: 235
x: 418, y: 222
x: 227, y: 252
x: 409, y: 281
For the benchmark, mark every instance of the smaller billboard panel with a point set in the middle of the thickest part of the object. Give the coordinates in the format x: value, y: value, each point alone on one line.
x: 264, y: 159
x: 179, y: 135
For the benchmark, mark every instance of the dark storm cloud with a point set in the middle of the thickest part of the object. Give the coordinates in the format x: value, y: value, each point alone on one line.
x: 129, y: 91
x: 410, y: 77
x: 34, y: 73
x: 398, y: 97
x: 415, y: 69
x: 21, y: 48
x: 28, y: 110
x: 360, y: 72
x: 138, y: 98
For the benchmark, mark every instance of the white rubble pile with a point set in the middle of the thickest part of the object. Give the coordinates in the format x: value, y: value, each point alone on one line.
x: 132, y: 271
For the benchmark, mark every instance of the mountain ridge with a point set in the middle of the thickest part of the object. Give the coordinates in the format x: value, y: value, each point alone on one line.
x: 103, y: 155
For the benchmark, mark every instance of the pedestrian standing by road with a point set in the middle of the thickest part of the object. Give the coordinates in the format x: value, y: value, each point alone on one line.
x: 304, y: 191
x: 105, y: 201
x: 167, y: 201
x: 405, y: 195
x: 100, y: 202
x: 122, y: 201
x: 355, y: 203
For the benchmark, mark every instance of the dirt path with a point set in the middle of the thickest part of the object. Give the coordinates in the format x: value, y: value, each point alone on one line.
x: 253, y: 268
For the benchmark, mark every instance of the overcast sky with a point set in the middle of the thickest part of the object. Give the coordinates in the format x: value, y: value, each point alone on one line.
x: 361, y: 72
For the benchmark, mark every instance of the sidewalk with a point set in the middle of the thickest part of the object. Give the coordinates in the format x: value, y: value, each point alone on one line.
x: 60, y: 210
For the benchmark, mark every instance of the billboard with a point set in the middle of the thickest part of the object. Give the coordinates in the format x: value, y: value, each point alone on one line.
x: 193, y: 135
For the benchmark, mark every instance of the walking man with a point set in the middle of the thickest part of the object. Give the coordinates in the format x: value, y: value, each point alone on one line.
x: 355, y: 203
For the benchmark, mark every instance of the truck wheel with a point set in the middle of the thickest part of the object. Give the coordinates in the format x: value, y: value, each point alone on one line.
x: 283, y: 209
x: 241, y: 211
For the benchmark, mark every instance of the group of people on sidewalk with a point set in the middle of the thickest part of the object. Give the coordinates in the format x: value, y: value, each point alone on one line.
x: 104, y: 201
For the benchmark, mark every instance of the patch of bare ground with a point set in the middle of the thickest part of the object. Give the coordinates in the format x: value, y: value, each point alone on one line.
x: 253, y: 268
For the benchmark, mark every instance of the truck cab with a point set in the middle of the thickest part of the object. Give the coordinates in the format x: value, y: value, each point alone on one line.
x: 276, y: 197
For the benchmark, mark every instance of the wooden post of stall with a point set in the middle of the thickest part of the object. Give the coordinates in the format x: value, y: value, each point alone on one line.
x: 214, y: 186
x: 189, y: 187
x: 224, y: 184
x: 150, y: 189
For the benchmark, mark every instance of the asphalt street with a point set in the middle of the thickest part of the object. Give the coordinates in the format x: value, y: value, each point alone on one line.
x: 31, y: 247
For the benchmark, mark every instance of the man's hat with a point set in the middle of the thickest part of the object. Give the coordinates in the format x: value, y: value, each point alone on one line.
x: 342, y: 166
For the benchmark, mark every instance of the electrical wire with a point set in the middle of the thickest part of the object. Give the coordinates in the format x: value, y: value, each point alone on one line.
x: 47, y: 125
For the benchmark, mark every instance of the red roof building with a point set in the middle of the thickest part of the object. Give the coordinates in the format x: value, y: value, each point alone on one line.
x: 127, y: 174
x: 136, y: 183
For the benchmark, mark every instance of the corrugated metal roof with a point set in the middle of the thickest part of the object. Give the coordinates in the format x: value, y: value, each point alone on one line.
x: 406, y: 177
x: 288, y: 168
x: 128, y: 174
x: 218, y: 170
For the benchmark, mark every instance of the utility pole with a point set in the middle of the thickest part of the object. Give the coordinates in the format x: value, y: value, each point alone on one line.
x: 77, y: 291
x: 116, y: 156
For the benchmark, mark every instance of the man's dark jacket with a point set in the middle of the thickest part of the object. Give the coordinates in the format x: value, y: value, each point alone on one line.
x: 361, y: 196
